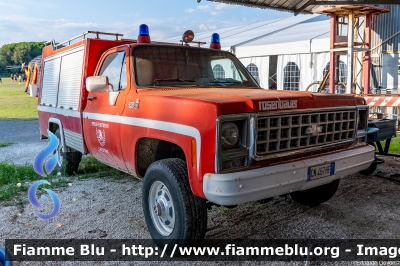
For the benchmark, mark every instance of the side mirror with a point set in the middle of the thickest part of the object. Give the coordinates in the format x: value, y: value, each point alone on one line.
x: 101, y: 84
x: 97, y: 84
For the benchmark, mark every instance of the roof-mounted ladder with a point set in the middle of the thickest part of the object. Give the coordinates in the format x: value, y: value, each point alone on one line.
x: 83, y: 36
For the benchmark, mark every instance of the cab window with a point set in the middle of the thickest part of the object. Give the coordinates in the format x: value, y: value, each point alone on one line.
x: 114, y: 67
x: 181, y: 66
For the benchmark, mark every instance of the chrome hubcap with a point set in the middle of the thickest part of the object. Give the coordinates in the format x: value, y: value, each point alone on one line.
x: 161, y: 208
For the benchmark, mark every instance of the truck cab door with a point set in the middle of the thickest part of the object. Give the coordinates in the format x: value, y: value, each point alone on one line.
x: 101, y: 117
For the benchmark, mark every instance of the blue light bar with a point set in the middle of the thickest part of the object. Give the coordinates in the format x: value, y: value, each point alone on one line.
x: 215, y: 38
x: 143, y: 30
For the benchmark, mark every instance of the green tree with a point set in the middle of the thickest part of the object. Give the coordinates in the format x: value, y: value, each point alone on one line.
x: 22, y: 54
x: 18, y: 53
x: 5, y: 55
x: 5, y: 58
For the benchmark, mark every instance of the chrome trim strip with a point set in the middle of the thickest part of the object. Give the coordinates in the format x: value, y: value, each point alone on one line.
x: 305, y: 111
x: 154, y: 124
x: 291, y: 153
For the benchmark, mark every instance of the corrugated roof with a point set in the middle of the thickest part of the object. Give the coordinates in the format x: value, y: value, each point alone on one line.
x: 295, y: 6
x: 301, y: 6
x: 386, y: 31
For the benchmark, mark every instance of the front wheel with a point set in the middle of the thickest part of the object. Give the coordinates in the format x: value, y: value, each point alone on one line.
x: 317, y: 195
x: 173, y: 214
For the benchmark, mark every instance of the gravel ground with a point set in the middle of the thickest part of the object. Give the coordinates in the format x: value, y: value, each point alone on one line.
x: 362, y: 208
x: 25, y: 138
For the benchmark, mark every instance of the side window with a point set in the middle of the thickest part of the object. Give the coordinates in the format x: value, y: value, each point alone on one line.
x: 114, y: 67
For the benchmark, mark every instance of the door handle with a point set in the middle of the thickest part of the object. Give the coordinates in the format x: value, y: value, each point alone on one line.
x: 91, y: 98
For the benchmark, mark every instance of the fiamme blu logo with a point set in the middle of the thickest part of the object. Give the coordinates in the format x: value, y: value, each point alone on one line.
x: 47, y: 159
x: 5, y: 259
x: 40, y: 159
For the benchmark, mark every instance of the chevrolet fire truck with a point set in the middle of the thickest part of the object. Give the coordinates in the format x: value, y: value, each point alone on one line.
x: 196, y: 127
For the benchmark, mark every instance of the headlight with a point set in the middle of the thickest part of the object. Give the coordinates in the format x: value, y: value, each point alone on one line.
x: 233, y: 142
x: 229, y: 135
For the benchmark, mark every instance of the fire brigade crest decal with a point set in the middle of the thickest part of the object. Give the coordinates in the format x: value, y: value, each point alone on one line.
x: 101, y: 136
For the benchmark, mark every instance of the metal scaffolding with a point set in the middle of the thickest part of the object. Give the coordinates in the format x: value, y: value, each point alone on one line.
x: 351, y: 35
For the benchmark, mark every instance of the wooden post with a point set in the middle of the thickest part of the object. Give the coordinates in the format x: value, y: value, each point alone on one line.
x: 350, y: 53
x: 332, y: 64
x: 367, y: 58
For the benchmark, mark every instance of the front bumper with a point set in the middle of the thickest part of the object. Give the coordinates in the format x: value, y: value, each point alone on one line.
x: 240, y: 187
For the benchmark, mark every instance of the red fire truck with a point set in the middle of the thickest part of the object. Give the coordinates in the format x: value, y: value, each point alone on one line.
x: 196, y: 127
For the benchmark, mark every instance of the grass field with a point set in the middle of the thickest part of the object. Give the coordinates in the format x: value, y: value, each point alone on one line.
x: 394, y: 144
x: 15, y: 103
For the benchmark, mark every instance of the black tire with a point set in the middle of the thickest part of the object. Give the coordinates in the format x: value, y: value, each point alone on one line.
x: 370, y: 169
x: 68, y: 161
x: 317, y: 195
x: 174, y: 215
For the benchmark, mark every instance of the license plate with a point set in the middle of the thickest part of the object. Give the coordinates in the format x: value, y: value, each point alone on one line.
x: 320, y: 171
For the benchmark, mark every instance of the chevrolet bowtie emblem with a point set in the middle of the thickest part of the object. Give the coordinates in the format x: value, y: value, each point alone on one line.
x: 314, y: 130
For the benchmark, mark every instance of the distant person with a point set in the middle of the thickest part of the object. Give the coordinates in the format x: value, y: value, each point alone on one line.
x: 1, y: 80
x: 19, y: 78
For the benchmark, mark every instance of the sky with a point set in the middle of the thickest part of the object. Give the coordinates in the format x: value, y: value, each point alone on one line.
x: 40, y: 20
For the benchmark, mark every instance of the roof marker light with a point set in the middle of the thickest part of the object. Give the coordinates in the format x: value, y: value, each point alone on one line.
x: 144, y: 36
x: 187, y: 37
x: 215, y: 42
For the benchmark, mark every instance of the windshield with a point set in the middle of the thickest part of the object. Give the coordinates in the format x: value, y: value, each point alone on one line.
x: 156, y: 66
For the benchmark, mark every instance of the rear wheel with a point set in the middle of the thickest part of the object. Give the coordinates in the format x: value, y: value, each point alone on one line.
x: 317, y: 195
x: 173, y: 214
x: 68, y: 160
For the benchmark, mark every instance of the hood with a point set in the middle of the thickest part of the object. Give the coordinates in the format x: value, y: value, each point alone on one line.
x: 242, y: 100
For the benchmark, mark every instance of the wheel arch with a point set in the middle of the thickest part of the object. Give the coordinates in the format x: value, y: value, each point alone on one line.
x: 53, y: 125
x: 151, y: 149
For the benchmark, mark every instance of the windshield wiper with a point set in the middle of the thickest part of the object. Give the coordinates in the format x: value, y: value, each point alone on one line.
x: 229, y: 80
x: 174, y: 79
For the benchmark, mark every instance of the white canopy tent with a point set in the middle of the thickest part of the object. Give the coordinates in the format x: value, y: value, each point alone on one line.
x: 300, y: 43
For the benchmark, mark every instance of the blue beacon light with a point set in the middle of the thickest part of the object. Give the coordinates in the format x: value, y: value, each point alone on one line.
x: 144, y: 36
x: 215, y: 41
x: 143, y: 30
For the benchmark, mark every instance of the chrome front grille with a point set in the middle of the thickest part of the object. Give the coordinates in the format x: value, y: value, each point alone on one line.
x: 288, y: 132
